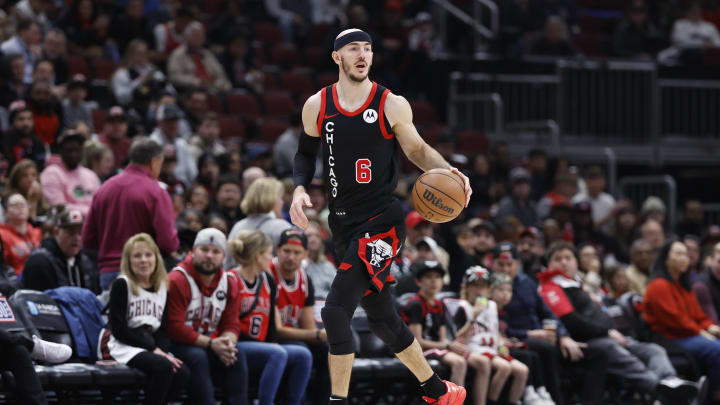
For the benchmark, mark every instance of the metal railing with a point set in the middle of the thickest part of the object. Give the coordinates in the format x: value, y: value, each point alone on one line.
x: 639, y: 188
x: 689, y: 108
x: 483, y: 19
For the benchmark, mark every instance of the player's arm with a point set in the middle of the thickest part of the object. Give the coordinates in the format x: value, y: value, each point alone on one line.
x: 400, y: 118
x: 304, y: 164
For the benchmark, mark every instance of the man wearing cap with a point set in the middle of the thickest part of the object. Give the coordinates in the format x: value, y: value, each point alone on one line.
x: 166, y: 133
x: 530, y: 251
x: 485, y: 240
x: 114, y: 135
x: 518, y: 203
x: 74, y: 106
x: 418, y: 229
x: 21, y: 141
x: 68, y: 182
x: 202, y: 303
x: 127, y: 204
x: 526, y: 313
x: 60, y: 260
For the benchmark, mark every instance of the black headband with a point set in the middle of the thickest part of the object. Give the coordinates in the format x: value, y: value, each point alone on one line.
x: 355, y: 36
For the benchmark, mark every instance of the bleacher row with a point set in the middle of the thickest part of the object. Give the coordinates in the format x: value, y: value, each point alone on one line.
x: 376, y: 373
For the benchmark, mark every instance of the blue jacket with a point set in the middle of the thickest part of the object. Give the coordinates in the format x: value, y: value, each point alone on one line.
x: 527, y: 309
x: 82, y: 311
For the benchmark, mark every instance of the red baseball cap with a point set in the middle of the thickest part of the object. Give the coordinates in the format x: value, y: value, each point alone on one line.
x: 413, y: 219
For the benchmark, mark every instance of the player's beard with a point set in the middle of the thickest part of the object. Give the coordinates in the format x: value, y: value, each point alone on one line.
x: 347, y: 68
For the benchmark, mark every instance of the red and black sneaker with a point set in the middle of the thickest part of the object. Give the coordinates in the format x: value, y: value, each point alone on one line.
x: 455, y: 395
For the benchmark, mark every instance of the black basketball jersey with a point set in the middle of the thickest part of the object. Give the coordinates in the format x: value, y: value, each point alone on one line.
x: 360, y: 165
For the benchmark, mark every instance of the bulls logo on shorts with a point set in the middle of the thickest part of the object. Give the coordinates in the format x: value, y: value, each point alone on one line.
x: 376, y: 252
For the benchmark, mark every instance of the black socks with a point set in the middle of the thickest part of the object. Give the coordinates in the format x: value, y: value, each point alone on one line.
x: 434, y: 387
x: 336, y: 400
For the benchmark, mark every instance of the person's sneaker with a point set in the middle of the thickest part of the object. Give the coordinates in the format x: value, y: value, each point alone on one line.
x: 455, y: 395
x: 702, y: 385
x: 677, y: 390
x: 545, y: 396
x: 50, y: 352
x: 531, y: 397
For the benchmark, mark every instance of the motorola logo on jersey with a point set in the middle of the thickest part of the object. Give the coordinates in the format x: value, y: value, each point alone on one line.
x: 370, y: 115
x: 430, y: 197
x: 220, y: 294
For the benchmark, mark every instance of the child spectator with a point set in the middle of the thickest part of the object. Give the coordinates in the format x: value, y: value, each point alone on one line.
x: 18, y: 236
x: 427, y: 319
x: 137, y: 337
x: 481, y: 329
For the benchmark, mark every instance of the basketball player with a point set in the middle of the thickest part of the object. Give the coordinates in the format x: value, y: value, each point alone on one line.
x: 360, y: 124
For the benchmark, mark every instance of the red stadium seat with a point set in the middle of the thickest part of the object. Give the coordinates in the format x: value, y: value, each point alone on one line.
x: 231, y: 127
x: 326, y: 79
x: 78, y: 64
x: 103, y: 69
x: 593, y: 45
x: 296, y: 82
x: 98, y: 118
x: 285, y: 55
x: 215, y: 104
x: 269, y: 81
x: 423, y: 112
x: 431, y: 133
x: 591, y: 24
x: 243, y: 105
x: 271, y: 130
x: 278, y: 104
x: 268, y: 33
x: 316, y: 56
x: 472, y: 142
x: 319, y: 32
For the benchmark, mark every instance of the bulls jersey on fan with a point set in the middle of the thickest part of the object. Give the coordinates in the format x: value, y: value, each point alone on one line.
x: 359, y: 154
x: 293, y: 295
x: 258, y: 321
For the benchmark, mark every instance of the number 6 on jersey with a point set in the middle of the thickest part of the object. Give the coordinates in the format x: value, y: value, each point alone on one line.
x: 363, y: 174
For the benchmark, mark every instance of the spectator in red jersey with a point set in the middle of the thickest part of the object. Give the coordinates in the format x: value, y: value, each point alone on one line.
x: 169, y: 35
x: 260, y: 322
x: 17, y: 235
x: 671, y: 309
x: 127, y: 204
x: 295, y: 303
x: 47, y: 111
x: 203, y: 306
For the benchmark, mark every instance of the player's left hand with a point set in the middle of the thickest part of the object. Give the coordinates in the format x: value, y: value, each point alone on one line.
x: 466, y: 183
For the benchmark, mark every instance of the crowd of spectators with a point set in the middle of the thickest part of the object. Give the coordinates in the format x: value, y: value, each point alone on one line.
x: 138, y: 136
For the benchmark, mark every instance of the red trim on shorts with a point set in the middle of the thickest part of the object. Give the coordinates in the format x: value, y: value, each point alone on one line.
x: 359, y: 110
x: 374, y: 217
x: 104, y: 349
x: 321, y: 114
x: 384, y: 131
x: 344, y: 266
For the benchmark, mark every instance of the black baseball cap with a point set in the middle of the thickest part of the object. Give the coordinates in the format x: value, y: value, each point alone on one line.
x: 505, y: 250
x: 476, y: 224
x: 293, y: 237
x: 426, y: 266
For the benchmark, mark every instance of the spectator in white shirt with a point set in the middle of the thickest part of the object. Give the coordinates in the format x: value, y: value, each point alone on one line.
x: 602, y: 203
x: 692, y: 32
x: 26, y: 43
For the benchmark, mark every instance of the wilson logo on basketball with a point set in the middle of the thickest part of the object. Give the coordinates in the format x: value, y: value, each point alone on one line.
x: 430, y: 197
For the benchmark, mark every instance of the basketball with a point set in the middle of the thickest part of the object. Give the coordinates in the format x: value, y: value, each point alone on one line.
x: 439, y: 195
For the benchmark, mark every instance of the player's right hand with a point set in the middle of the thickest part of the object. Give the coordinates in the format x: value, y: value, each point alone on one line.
x: 301, y: 199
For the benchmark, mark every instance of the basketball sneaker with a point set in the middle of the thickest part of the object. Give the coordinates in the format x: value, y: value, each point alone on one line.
x: 455, y: 395
x: 50, y: 352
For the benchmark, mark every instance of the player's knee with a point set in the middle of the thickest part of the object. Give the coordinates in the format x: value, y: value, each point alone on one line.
x: 337, y: 325
x: 392, y: 331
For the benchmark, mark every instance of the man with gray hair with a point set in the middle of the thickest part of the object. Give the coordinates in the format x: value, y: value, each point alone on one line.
x: 127, y: 204
x: 191, y: 65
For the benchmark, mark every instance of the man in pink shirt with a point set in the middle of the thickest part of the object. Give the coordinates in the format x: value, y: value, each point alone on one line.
x: 68, y: 182
x: 127, y: 204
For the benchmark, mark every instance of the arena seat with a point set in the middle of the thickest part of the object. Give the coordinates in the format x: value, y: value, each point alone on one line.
x: 231, y: 127
x: 98, y: 117
x: 215, y: 103
x: 103, y: 69
x: 243, y: 105
x: 423, y: 112
x: 316, y: 57
x: 42, y: 316
x: 473, y: 142
x: 78, y: 64
x: 593, y: 44
x: 319, y: 33
x: 296, y: 82
x: 285, y: 55
x: 278, y: 104
x: 268, y: 33
x: 326, y: 79
x: 271, y: 130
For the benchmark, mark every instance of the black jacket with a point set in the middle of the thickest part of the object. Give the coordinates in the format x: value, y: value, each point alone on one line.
x: 47, y: 268
x: 583, y: 317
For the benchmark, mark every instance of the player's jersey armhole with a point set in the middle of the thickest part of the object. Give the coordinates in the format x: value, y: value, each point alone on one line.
x: 321, y: 113
x: 385, y: 128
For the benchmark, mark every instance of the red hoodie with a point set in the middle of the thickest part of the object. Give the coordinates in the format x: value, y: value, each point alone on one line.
x: 18, y: 246
x: 179, y: 299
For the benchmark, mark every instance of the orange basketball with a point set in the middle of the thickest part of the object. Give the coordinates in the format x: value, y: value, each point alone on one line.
x: 439, y: 195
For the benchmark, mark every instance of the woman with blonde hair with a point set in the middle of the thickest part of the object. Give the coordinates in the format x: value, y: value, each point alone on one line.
x: 135, y: 334
x: 262, y: 204
x: 23, y: 179
x: 261, y: 323
x: 98, y: 158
